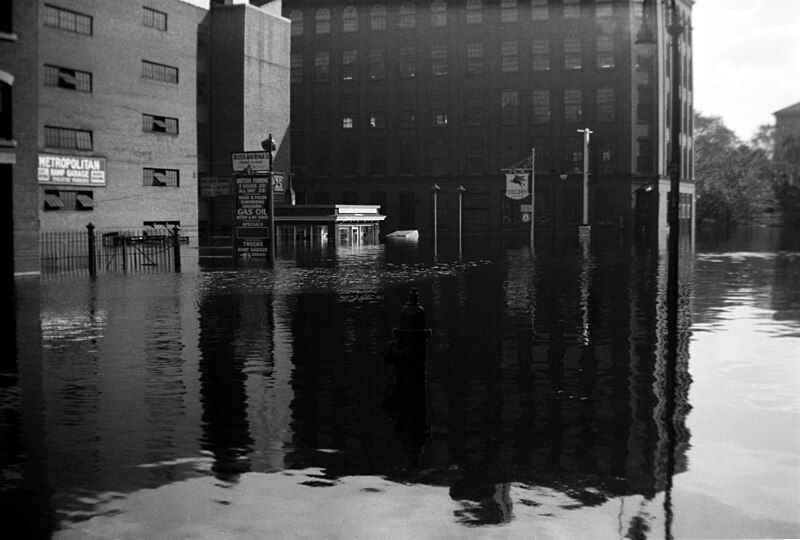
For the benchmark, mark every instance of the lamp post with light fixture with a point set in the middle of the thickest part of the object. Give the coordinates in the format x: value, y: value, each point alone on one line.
x: 584, y: 229
x: 435, y: 189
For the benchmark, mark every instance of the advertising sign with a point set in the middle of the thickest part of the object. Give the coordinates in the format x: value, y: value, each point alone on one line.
x: 279, y: 182
x: 72, y: 170
x: 517, y: 186
x: 215, y: 187
x: 252, y: 215
x: 247, y: 162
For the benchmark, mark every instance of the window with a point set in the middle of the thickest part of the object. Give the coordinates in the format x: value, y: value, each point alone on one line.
x: 160, y: 177
x: 603, y: 8
x: 438, y: 13
x: 408, y: 158
x: 65, y: 19
x: 539, y: 10
x: 439, y: 117
x: 438, y: 60
x: 605, y: 104
x: 572, y: 53
x: 508, y: 11
x: 6, y: 116
x: 322, y: 66
x: 605, y: 161
x: 377, y: 65
x: 644, y: 160
x: 572, y: 105
x: 475, y: 155
x: 349, y: 159
x: 323, y: 21
x: 152, y: 18
x: 377, y: 119
x: 296, y: 17
x: 474, y: 15
x: 509, y: 108
x: 540, y: 55
x: 66, y: 138
x: 644, y: 108
x: 350, y: 19
x: 68, y: 200
x: 408, y: 16
x: 159, y: 124
x: 475, y: 62
x: 71, y: 79
x: 408, y: 114
x: 377, y: 17
x: 377, y: 159
x: 349, y: 64
x: 296, y: 67
x: 438, y: 158
x: 541, y: 106
x: 572, y: 9
x: 605, y: 52
x: 348, y: 122
x: 159, y: 72
x: 407, y: 62
x: 475, y: 115
x: 509, y: 61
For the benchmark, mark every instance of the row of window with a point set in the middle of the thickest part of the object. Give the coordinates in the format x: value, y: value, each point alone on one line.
x: 80, y: 23
x: 74, y: 79
x: 437, y: 14
x: 437, y: 159
x: 476, y: 62
x: 476, y: 114
x: 81, y: 139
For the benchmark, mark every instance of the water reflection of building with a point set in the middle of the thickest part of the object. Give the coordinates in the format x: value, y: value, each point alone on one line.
x: 124, y: 91
x: 579, y: 409
x: 390, y: 97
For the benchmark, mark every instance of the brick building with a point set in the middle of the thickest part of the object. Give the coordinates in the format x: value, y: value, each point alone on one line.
x: 107, y: 109
x: 787, y: 132
x: 389, y: 98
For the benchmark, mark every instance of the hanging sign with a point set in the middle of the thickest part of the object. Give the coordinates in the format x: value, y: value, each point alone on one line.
x: 517, y: 186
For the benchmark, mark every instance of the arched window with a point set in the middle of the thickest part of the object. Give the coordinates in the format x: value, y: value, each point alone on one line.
x: 350, y: 19
x: 474, y: 15
x: 408, y: 16
x: 296, y: 17
x: 377, y: 17
x: 323, y: 20
x: 438, y: 13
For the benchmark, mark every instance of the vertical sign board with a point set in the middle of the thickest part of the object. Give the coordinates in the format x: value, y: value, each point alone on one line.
x: 251, y: 218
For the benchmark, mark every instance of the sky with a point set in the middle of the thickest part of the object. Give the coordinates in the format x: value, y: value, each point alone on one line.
x: 746, y: 59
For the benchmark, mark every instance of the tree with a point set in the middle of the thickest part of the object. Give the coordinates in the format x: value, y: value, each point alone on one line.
x: 733, y: 179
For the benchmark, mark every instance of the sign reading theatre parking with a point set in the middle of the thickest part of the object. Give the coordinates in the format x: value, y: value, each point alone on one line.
x: 72, y: 170
x: 249, y: 162
x: 252, y: 216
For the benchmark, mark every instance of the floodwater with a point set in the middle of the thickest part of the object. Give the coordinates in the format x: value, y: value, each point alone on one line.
x: 257, y: 403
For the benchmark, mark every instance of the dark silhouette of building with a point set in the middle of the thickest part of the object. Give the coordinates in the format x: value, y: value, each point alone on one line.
x: 389, y: 98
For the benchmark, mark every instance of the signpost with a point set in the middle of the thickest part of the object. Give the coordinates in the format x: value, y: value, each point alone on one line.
x: 517, y: 188
x: 254, y: 194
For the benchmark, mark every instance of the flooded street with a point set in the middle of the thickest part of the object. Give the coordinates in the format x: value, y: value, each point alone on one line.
x: 257, y: 403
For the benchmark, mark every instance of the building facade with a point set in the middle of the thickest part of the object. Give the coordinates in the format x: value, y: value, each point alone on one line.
x: 110, y: 107
x: 389, y: 99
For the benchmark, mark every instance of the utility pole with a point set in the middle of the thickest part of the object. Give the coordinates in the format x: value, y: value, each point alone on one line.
x: 584, y: 229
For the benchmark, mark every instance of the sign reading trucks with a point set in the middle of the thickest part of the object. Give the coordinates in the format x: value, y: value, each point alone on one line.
x: 72, y: 170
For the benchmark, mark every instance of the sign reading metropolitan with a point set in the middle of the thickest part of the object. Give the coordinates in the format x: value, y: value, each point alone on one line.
x: 517, y: 186
x: 72, y: 170
x: 252, y: 215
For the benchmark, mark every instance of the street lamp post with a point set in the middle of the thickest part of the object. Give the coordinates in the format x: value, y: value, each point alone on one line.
x: 461, y: 191
x: 269, y: 146
x: 435, y: 189
x: 584, y: 229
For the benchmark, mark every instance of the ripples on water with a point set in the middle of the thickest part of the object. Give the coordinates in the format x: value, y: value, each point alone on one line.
x: 257, y: 403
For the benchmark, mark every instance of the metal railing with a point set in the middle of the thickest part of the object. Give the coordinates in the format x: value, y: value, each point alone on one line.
x: 75, y: 253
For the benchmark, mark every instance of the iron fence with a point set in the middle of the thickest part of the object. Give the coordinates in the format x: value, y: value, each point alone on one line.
x: 93, y: 250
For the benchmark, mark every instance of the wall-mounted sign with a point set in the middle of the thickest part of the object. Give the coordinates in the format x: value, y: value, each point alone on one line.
x: 279, y: 182
x: 215, y: 187
x: 72, y: 170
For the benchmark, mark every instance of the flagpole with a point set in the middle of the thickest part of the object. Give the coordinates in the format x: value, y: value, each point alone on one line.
x: 533, y: 202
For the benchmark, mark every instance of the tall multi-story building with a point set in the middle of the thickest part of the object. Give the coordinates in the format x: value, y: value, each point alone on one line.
x: 111, y: 109
x: 390, y: 98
